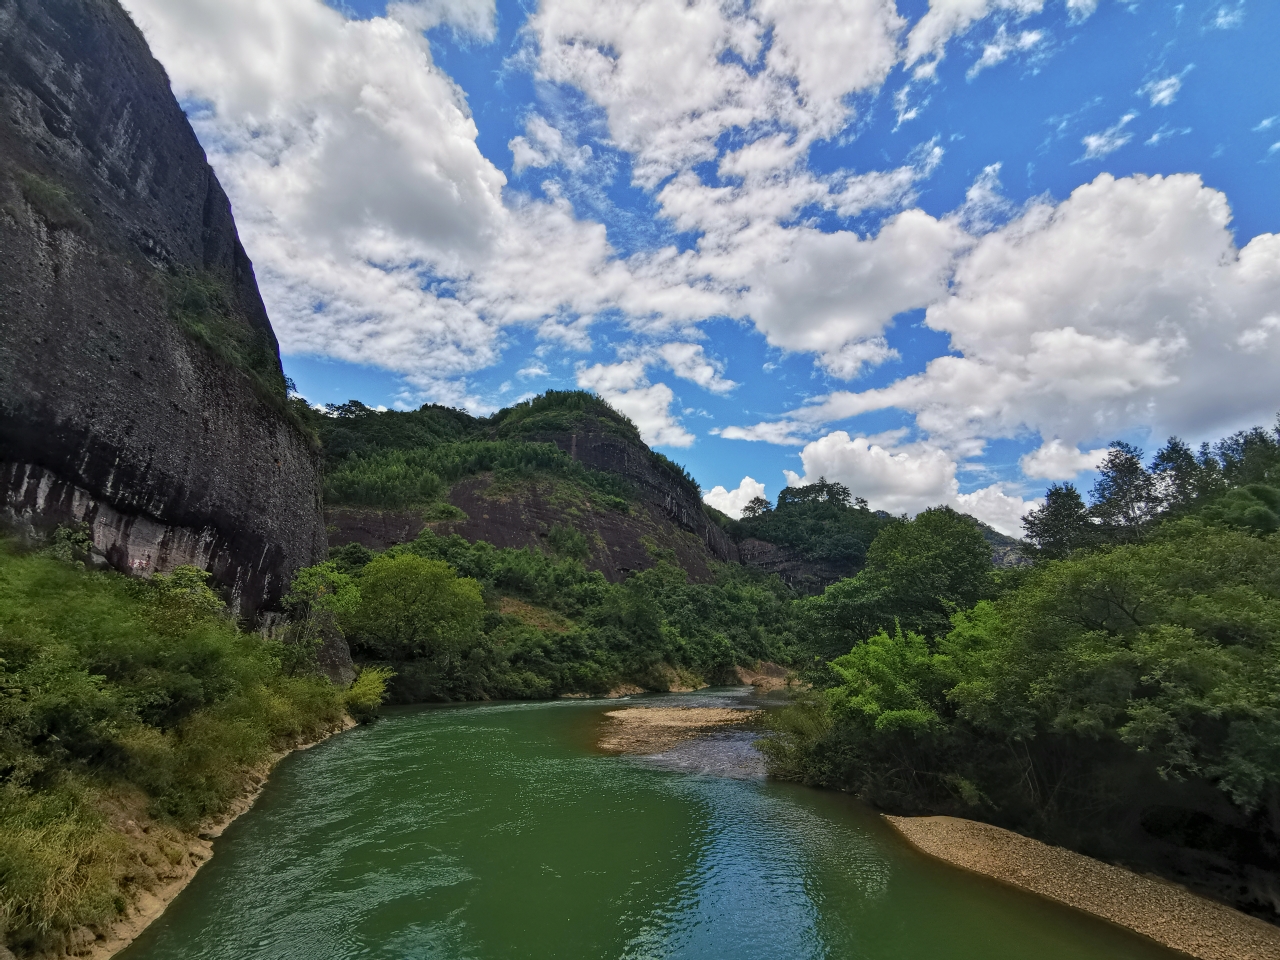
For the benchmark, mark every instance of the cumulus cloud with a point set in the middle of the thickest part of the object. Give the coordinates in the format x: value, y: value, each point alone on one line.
x: 672, y: 76
x: 833, y: 294
x: 625, y: 386
x: 379, y: 231
x: 905, y: 480
x: 1056, y: 460
x: 1127, y: 305
x: 1098, y: 145
x: 732, y: 502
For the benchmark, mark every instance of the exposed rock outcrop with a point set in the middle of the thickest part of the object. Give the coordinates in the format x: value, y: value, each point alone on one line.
x: 807, y: 577
x: 111, y: 413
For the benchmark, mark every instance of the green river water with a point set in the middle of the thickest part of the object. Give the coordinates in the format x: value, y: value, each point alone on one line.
x: 498, y: 831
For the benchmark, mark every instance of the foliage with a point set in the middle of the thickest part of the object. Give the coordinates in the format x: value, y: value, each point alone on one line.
x: 590, y: 634
x: 396, y: 479
x: 414, y: 608
x: 563, y: 411
x: 568, y: 542
x: 822, y: 521
x: 112, y: 684
x: 1061, y: 524
x: 364, y: 697
x: 918, y: 573
x: 1081, y: 695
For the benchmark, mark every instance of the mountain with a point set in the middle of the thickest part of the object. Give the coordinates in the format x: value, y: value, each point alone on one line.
x: 563, y: 472
x: 141, y: 393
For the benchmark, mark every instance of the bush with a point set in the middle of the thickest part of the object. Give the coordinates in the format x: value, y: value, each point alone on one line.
x: 110, y: 685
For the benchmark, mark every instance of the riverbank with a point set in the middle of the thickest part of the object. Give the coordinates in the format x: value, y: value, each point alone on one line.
x: 183, y: 856
x: 645, y: 730
x: 1163, y: 912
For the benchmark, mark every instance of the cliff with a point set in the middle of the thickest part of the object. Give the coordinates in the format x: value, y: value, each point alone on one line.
x: 140, y: 384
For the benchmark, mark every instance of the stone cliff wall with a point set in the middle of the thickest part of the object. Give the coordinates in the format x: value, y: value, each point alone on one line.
x: 109, y: 413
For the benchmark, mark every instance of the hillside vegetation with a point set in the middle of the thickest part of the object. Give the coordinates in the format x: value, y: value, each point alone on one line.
x: 132, y: 711
x: 393, y: 459
x: 439, y: 611
x: 1123, y: 696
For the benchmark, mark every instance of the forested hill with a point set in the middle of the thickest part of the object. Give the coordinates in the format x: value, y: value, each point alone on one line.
x: 567, y: 474
x: 563, y: 473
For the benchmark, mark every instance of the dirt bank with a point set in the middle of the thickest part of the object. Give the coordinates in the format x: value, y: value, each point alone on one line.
x: 654, y: 729
x: 185, y: 855
x: 1166, y: 913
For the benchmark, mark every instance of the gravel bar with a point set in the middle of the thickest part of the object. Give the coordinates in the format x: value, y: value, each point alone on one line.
x: 1166, y: 913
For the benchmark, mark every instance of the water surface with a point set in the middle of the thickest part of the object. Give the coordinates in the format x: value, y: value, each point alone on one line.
x: 497, y: 831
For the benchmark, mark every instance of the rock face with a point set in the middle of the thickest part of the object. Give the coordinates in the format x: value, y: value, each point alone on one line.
x: 611, y: 454
x: 806, y: 577
x: 112, y: 413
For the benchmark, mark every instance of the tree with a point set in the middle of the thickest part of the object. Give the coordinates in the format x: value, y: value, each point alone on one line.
x: 414, y: 608
x: 319, y: 599
x: 1125, y: 497
x: 1061, y: 525
x: 918, y: 574
x: 756, y: 507
x: 820, y: 492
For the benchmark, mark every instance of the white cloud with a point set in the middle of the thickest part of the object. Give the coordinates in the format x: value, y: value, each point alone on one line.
x: 731, y: 502
x: 1229, y: 17
x: 833, y: 294
x: 905, y: 479
x: 688, y: 362
x: 783, y: 433
x: 544, y: 145
x: 1081, y: 9
x: 673, y: 75
x: 475, y: 18
x: 1127, y: 305
x: 953, y: 18
x: 847, y: 362
x: 1002, y: 46
x: 1164, y: 133
x: 1056, y: 460
x: 1164, y: 92
x: 1266, y: 124
x: 625, y: 386
x: 997, y: 508
x: 534, y: 369
x: 1099, y: 145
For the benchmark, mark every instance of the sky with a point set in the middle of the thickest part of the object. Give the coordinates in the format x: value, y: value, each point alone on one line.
x: 941, y: 251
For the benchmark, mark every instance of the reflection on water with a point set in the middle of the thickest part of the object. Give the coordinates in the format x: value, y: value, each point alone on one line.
x: 498, y: 832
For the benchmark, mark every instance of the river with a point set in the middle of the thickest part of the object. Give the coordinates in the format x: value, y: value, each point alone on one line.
x: 498, y: 831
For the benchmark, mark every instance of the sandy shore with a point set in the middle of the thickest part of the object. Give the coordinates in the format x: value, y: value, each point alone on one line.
x: 150, y: 904
x: 1166, y: 913
x: 654, y: 729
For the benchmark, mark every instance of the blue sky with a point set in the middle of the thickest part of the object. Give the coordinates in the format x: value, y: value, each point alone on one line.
x: 943, y: 251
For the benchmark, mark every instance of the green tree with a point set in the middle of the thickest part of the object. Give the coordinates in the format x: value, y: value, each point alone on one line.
x: 1126, y: 498
x: 918, y: 574
x: 412, y: 607
x: 319, y: 599
x: 1061, y: 525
